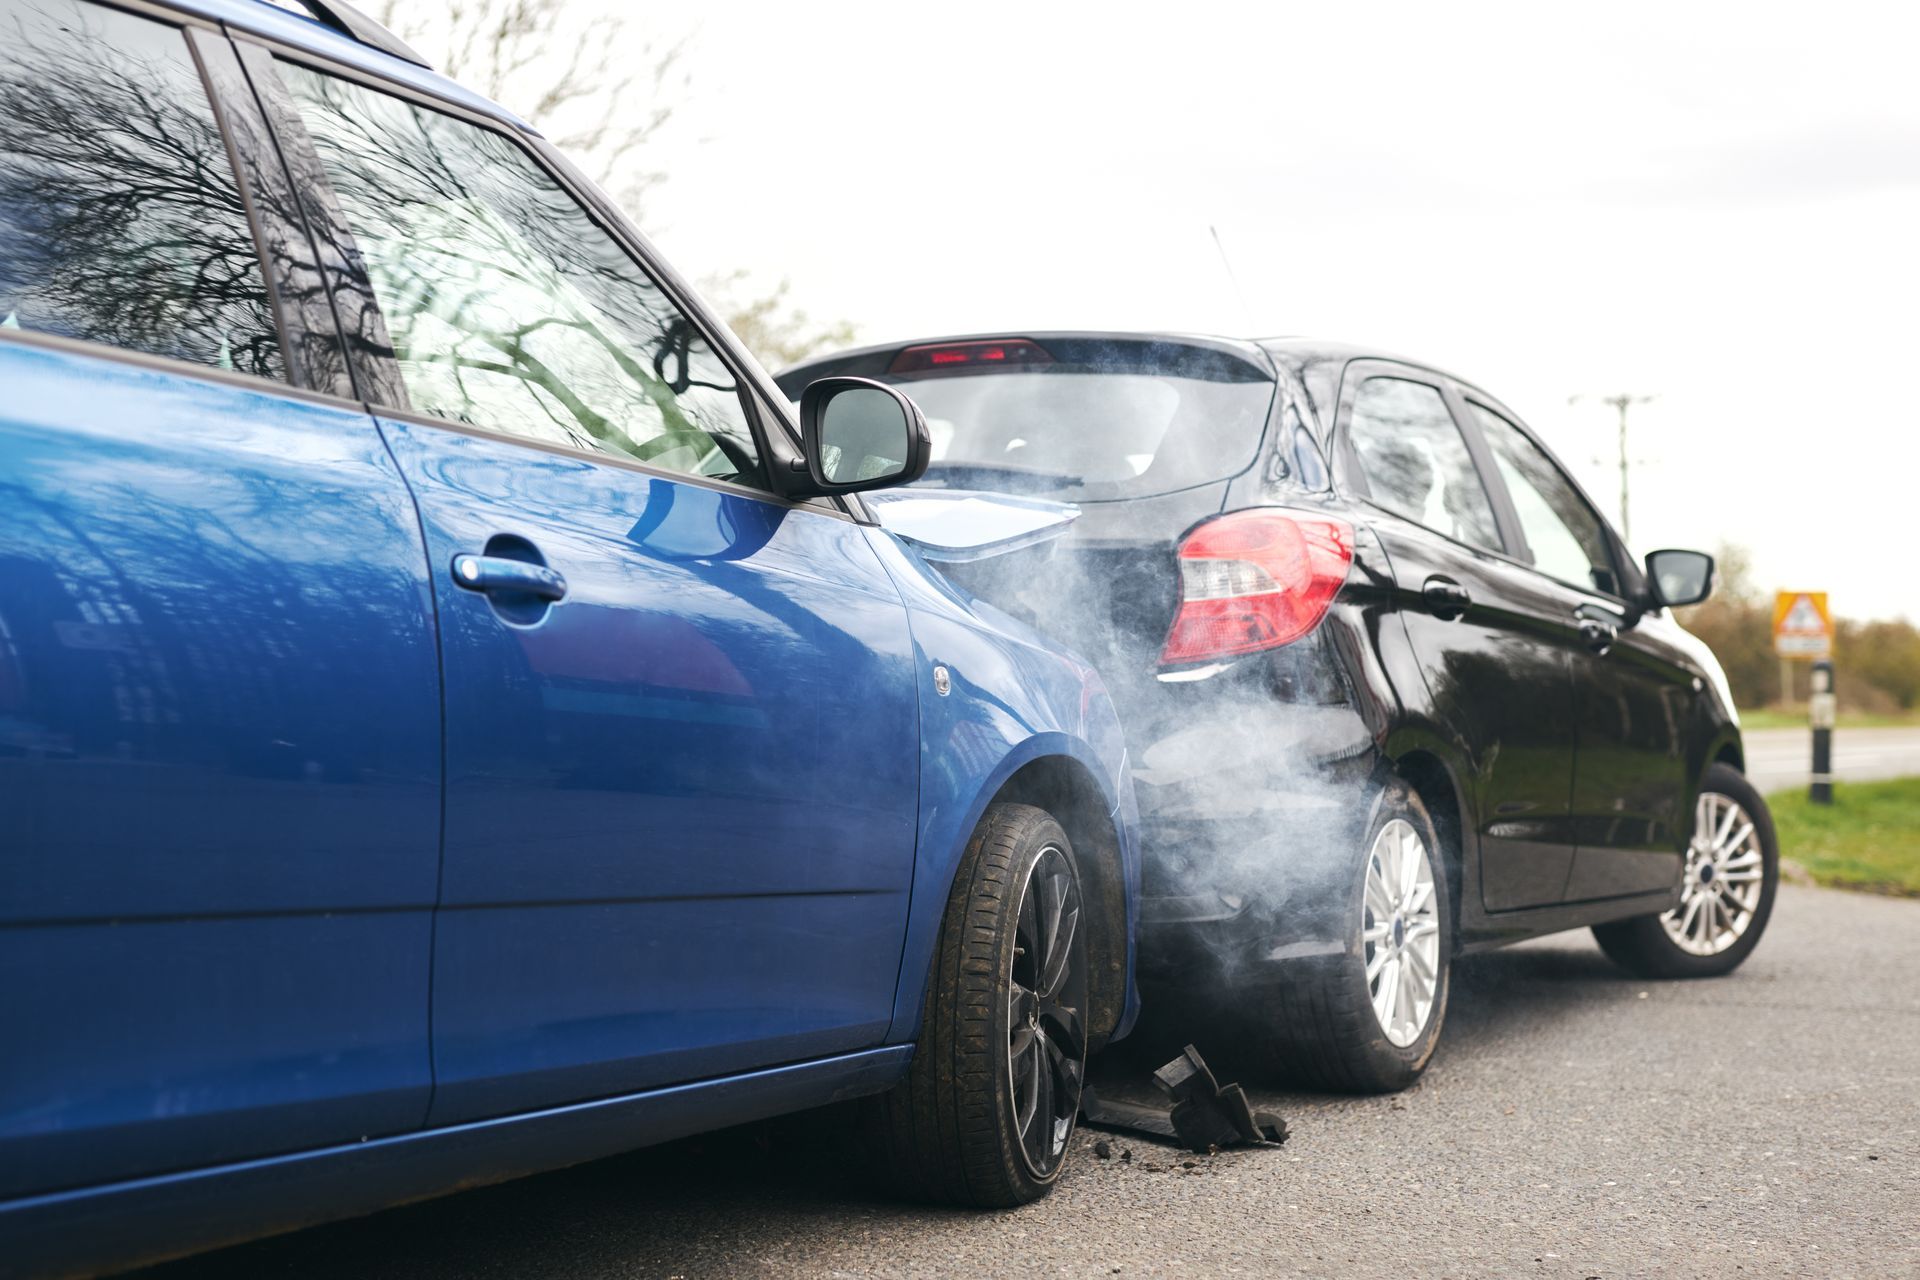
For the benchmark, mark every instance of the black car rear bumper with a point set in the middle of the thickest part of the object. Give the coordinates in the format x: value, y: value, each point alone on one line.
x: 1252, y: 810
x: 1220, y: 905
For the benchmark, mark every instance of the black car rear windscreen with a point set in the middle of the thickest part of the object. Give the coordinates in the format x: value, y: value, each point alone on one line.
x: 1106, y: 428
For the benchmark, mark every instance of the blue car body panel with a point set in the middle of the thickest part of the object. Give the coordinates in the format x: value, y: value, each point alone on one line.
x: 327, y: 883
x: 218, y: 873
x: 1014, y: 700
x: 158, y: 1217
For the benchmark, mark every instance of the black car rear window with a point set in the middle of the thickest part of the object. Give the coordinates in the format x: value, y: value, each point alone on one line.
x: 1090, y: 431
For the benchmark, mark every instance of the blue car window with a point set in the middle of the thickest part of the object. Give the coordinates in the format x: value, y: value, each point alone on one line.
x: 120, y: 215
x: 509, y: 308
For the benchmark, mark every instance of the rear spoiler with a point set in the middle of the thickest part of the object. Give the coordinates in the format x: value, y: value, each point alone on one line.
x: 1193, y: 356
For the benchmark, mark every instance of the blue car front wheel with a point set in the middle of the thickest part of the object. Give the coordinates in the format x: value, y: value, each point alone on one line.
x: 986, y: 1112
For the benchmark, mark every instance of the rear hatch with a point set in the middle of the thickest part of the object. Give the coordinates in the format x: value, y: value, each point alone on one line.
x: 1143, y: 433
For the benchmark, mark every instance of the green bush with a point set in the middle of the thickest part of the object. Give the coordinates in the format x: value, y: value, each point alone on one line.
x: 1876, y: 664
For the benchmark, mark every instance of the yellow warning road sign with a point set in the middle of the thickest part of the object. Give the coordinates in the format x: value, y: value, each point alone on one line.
x: 1802, y: 627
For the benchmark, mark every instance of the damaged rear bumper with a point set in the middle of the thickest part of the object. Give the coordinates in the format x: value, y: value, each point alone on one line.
x: 1246, y: 901
x: 1251, y: 811
x: 1186, y: 941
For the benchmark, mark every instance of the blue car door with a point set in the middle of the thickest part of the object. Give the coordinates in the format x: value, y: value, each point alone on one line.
x: 681, y: 722
x: 219, y: 699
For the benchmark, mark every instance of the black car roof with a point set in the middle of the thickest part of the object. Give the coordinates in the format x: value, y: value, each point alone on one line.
x: 1315, y: 361
x: 1252, y: 353
x: 1238, y: 346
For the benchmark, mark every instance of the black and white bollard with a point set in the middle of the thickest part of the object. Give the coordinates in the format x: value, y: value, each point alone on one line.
x: 1820, y: 714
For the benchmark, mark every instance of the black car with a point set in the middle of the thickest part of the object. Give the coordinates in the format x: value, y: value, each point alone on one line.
x: 1394, y: 689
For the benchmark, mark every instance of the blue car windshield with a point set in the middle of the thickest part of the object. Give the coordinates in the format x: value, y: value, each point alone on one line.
x: 1088, y: 433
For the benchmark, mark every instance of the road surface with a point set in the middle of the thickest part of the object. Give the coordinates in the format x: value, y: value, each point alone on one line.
x: 1577, y: 1122
x: 1781, y: 758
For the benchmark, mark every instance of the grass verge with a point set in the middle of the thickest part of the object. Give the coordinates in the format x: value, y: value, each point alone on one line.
x: 1796, y: 718
x: 1868, y: 838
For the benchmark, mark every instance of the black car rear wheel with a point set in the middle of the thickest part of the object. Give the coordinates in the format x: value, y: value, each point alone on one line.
x: 1367, y: 1021
x: 1727, y: 886
x: 987, y: 1108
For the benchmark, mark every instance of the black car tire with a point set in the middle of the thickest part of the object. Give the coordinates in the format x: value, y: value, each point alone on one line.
x: 950, y: 1133
x: 1319, y: 1027
x: 1643, y: 947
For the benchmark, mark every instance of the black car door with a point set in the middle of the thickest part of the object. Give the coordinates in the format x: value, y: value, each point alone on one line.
x: 1493, y: 638
x: 1632, y: 697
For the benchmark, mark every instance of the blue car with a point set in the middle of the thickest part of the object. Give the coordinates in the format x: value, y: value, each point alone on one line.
x: 454, y: 720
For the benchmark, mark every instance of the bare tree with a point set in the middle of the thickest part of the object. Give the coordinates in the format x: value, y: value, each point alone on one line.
x: 601, y: 92
x: 773, y: 329
x: 604, y: 92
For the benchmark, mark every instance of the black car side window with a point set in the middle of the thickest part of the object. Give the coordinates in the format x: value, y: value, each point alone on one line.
x: 508, y: 306
x: 120, y: 214
x: 1416, y: 462
x: 1564, y: 535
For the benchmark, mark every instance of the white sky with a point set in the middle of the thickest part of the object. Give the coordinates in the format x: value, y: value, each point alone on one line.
x: 1719, y: 204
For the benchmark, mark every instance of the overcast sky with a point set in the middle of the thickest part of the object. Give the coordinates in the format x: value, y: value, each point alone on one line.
x: 1715, y: 204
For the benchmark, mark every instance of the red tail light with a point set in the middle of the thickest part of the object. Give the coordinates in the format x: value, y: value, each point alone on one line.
x: 1253, y: 580
x: 997, y: 353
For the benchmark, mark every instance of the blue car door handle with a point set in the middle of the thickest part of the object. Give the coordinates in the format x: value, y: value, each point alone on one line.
x: 497, y: 573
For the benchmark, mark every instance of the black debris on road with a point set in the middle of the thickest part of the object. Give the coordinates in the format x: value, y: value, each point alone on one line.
x: 1202, y: 1114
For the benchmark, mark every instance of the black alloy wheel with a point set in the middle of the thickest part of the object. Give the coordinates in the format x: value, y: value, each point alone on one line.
x: 1046, y: 999
x: 987, y: 1111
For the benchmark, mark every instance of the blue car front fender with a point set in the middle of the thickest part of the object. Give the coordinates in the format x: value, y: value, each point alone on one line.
x: 1020, y: 719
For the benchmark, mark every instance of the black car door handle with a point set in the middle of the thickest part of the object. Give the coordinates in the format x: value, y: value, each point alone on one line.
x: 497, y: 573
x: 1445, y: 597
x: 1599, y: 636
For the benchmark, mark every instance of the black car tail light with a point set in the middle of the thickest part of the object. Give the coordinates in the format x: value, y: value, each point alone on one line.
x: 1253, y: 580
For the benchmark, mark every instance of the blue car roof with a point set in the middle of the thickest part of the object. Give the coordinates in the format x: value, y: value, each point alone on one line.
x: 273, y: 22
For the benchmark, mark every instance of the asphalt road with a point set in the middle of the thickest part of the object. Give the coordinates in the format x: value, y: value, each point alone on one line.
x: 1576, y: 1122
x: 1780, y: 758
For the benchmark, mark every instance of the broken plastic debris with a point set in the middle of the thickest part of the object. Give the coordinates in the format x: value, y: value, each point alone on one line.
x: 1204, y: 1115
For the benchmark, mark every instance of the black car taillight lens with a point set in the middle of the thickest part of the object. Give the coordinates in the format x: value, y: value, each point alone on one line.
x: 998, y: 353
x: 1253, y: 580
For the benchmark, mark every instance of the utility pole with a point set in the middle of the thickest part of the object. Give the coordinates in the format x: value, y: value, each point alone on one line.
x: 1621, y: 402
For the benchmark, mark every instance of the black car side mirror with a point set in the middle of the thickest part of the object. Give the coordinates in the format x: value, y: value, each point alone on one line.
x: 1679, y: 577
x: 858, y: 434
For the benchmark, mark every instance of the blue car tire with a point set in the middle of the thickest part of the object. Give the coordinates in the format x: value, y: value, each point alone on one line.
x: 986, y: 1113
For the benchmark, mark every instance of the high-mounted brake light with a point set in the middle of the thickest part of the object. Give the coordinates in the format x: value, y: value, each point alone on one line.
x: 996, y: 353
x: 1253, y: 580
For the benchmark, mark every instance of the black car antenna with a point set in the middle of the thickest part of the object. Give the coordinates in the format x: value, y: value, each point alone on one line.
x: 1246, y: 312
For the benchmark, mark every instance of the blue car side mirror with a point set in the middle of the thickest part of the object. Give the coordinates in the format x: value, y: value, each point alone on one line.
x: 859, y: 434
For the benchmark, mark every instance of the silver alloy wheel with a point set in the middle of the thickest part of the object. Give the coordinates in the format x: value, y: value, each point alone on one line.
x: 1724, y: 877
x: 1046, y: 1027
x: 1400, y: 930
